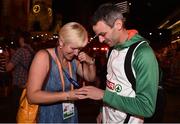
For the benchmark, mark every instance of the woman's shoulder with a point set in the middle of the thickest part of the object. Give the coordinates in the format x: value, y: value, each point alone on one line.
x: 44, y: 52
x: 42, y: 55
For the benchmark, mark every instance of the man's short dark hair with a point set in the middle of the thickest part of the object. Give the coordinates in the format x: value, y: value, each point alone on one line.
x: 108, y: 13
x: 26, y: 35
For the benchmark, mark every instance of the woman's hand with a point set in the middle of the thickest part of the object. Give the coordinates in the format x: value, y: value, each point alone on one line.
x: 83, y: 57
x: 74, y: 95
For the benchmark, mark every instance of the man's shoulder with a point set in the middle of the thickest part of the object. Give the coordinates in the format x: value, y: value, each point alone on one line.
x: 143, y: 46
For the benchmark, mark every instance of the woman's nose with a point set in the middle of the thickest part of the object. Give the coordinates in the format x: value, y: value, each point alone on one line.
x: 76, y: 52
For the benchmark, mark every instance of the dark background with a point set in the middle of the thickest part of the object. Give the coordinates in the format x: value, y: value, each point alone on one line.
x: 144, y: 14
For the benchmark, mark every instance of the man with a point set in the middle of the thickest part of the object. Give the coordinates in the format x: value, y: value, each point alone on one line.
x: 4, y: 75
x: 119, y: 97
x: 21, y: 60
x: 19, y: 65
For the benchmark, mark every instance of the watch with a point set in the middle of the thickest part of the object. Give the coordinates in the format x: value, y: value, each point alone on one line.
x: 36, y: 8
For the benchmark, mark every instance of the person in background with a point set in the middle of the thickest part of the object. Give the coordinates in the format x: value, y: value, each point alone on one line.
x: 59, y: 66
x: 5, y: 77
x: 19, y: 64
x: 119, y: 98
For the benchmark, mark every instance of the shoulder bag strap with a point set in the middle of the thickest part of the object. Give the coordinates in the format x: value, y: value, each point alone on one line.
x: 128, y: 65
x: 129, y: 72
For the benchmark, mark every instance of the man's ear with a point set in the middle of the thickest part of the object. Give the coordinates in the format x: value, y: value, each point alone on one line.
x: 118, y: 24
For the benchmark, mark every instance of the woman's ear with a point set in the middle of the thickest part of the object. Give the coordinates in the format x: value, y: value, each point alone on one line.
x: 118, y: 24
x: 60, y: 43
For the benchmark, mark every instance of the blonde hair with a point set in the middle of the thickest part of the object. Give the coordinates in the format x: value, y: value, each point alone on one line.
x: 74, y: 32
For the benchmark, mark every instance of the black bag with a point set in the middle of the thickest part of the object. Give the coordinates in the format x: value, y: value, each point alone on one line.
x: 160, y: 102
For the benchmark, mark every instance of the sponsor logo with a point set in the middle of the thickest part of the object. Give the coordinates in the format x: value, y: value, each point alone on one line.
x: 110, y: 85
x: 118, y: 88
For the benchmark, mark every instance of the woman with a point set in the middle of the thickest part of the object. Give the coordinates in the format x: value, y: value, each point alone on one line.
x: 52, y: 79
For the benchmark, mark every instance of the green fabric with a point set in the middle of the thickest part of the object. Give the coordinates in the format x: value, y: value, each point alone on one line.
x: 147, y: 77
x: 128, y: 43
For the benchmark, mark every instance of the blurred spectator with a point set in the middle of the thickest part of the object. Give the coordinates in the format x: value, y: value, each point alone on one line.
x: 164, y: 61
x: 4, y: 75
x: 19, y: 65
x: 174, y: 80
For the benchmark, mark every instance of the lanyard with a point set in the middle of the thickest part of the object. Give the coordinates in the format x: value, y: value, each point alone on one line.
x: 61, y: 71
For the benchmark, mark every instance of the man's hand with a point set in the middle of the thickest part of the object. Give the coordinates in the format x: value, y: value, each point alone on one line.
x: 90, y: 92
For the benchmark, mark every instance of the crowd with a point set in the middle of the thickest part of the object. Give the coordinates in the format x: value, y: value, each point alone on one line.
x: 168, y: 58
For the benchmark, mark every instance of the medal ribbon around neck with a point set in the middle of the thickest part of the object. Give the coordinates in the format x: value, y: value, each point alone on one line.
x: 61, y: 70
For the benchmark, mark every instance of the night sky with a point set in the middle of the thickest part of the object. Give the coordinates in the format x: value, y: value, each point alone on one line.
x: 146, y: 14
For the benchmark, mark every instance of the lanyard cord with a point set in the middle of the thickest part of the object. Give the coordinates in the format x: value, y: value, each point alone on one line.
x: 83, y: 74
x: 61, y: 70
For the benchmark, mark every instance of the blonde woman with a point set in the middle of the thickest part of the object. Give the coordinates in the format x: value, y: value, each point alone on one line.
x: 52, y: 78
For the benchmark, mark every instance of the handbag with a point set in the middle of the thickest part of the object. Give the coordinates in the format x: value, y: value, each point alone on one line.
x: 27, y: 113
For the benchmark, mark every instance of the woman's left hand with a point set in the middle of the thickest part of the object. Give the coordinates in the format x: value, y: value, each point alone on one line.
x: 83, y: 57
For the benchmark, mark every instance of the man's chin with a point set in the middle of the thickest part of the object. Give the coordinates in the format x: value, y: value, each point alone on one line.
x: 109, y: 44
